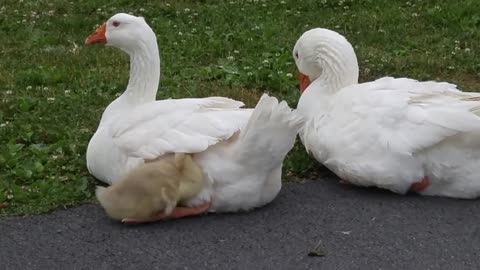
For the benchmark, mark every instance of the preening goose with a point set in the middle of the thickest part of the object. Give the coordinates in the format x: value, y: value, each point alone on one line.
x: 394, y: 133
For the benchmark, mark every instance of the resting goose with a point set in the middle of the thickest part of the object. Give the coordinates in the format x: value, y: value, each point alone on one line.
x: 240, y: 151
x: 394, y: 133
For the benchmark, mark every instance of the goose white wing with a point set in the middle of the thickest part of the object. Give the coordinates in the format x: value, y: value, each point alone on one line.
x: 395, y: 116
x: 404, y: 115
x: 183, y: 125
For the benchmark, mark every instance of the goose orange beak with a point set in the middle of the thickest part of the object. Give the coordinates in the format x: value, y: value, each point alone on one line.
x: 304, y: 81
x: 98, y: 36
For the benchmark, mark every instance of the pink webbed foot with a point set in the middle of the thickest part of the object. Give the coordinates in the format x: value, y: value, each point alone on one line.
x: 178, y: 212
x: 417, y: 187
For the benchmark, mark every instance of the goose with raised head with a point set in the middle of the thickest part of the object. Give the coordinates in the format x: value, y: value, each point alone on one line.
x: 394, y: 133
x: 240, y: 151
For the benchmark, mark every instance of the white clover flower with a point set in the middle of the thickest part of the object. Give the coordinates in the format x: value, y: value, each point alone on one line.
x: 2, y: 125
x: 467, y: 50
x: 249, y: 73
x: 9, y: 92
x: 51, y: 99
x: 142, y: 9
x: 265, y: 61
x: 180, y: 33
x: 230, y: 58
x: 236, y: 52
x: 45, y: 88
x: 67, y: 92
x: 186, y: 10
x: 283, y: 2
x: 289, y: 75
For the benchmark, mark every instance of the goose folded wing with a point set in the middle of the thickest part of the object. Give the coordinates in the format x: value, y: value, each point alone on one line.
x: 186, y: 125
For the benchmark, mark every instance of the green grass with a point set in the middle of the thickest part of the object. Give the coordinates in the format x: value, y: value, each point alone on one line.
x: 53, y: 89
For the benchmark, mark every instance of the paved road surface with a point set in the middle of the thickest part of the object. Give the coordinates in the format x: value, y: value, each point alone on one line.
x: 359, y: 229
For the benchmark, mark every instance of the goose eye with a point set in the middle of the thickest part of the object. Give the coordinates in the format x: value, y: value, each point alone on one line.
x: 115, y: 24
x: 296, y: 55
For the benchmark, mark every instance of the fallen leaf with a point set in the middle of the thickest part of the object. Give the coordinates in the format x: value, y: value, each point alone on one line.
x: 318, y: 251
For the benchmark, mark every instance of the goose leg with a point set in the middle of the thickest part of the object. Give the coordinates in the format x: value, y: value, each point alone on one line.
x: 417, y: 187
x: 178, y: 212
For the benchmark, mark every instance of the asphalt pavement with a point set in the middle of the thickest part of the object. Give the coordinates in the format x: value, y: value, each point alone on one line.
x: 357, y: 228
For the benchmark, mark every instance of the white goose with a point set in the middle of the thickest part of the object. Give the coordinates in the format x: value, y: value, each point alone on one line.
x: 240, y: 151
x: 397, y: 134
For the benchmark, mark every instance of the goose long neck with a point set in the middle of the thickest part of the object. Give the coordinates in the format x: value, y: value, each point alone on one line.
x: 144, y: 73
x: 335, y: 69
x: 340, y: 69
